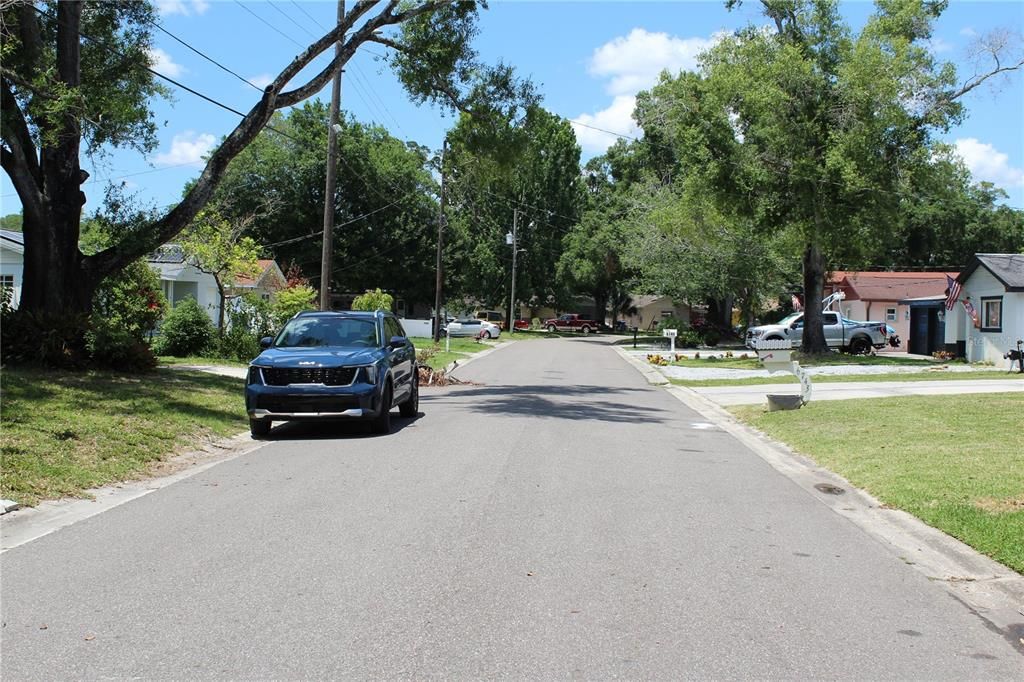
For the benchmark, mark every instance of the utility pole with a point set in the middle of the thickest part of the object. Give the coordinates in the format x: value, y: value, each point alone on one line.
x: 332, y: 163
x: 515, y: 252
x: 440, y: 246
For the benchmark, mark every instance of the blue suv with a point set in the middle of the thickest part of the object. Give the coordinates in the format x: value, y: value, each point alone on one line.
x: 333, y: 365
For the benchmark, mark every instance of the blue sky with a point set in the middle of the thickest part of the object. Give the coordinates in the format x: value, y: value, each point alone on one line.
x: 589, y: 59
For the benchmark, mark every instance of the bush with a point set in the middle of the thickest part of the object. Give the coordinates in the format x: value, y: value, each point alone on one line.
x: 117, y: 348
x: 672, y: 323
x: 248, y: 321
x: 44, y: 338
x: 287, y: 302
x: 131, y: 300
x: 373, y: 300
x: 186, y: 331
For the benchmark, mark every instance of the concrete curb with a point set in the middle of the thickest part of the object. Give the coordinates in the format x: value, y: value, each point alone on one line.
x: 995, y: 592
x: 650, y: 373
x: 31, y: 523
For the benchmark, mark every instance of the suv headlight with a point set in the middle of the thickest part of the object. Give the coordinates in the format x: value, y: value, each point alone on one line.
x: 255, y: 375
x: 369, y: 374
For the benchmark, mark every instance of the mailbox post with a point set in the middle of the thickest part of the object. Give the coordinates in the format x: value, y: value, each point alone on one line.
x: 671, y: 335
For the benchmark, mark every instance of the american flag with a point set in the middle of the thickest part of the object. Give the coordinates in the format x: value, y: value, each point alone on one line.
x: 954, y: 292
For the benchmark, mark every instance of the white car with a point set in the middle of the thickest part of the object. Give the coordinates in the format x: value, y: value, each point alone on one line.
x: 474, y: 328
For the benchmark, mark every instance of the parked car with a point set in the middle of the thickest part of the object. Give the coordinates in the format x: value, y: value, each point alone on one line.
x: 474, y: 328
x: 333, y: 365
x: 857, y: 338
x: 495, y: 317
x: 571, y: 322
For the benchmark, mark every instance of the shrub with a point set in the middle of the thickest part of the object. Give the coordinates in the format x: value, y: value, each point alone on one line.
x: 287, y: 302
x: 687, y: 338
x: 117, y: 348
x: 44, y: 338
x: 186, y: 331
x: 672, y: 323
x: 131, y: 300
x: 248, y: 321
x: 373, y: 300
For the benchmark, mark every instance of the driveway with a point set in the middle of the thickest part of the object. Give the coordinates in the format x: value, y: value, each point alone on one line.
x: 560, y: 518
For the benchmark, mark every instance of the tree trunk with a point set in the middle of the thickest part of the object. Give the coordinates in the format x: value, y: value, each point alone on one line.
x: 220, y: 307
x: 54, y: 279
x: 600, y: 306
x: 814, y: 286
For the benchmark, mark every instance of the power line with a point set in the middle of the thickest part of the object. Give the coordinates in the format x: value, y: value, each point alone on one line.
x: 274, y: 28
x: 206, y: 56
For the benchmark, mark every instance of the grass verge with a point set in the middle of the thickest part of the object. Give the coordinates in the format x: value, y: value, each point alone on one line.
x: 957, y: 465
x: 437, y: 358
x: 171, y: 360
x: 66, y: 432
x: 850, y: 378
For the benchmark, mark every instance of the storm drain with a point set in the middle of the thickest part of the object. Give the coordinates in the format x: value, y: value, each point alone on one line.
x: 829, y: 489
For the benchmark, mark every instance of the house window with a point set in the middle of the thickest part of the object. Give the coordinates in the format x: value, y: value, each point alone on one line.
x: 890, y: 314
x: 7, y: 287
x: 992, y: 314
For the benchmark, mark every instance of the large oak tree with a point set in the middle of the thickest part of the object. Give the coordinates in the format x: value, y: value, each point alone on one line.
x: 76, y: 80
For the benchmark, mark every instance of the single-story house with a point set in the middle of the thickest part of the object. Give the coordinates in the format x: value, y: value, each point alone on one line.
x: 652, y: 309
x: 12, y: 263
x: 987, y: 319
x: 180, y: 279
x: 909, y: 302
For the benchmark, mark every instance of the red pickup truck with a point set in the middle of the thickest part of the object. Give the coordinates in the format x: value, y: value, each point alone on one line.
x: 570, y: 322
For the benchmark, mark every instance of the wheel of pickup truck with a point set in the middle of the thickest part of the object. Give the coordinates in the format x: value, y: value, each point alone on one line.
x: 552, y: 328
x: 860, y: 346
x: 585, y: 329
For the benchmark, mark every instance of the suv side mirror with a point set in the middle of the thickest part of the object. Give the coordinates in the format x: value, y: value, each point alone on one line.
x: 398, y: 342
x: 266, y: 342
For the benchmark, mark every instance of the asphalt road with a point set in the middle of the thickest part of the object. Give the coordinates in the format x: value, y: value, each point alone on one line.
x: 562, y: 519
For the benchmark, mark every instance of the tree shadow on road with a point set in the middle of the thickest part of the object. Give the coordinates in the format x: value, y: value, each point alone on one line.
x: 575, y: 402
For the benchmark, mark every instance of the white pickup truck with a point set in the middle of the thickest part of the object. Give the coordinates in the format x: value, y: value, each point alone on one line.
x: 857, y: 338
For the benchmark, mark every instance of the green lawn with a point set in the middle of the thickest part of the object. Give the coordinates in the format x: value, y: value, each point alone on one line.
x: 171, y: 360
x: 460, y: 348
x: 784, y: 378
x: 66, y: 432
x: 955, y: 463
x: 751, y: 362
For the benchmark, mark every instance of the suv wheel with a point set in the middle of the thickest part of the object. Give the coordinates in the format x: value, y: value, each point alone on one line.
x: 382, y: 422
x: 552, y: 328
x: 260, y: 428
x: 411, y: 407
x: 586, y: 329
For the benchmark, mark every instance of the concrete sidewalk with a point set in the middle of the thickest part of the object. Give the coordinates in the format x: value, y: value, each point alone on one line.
x: 752, y: 395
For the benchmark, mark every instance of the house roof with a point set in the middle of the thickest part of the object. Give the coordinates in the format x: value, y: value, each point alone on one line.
x: 15, y: 240
x: 251, y: 281
x: 890, y: 286
x: 168, y: 253
x: 1008, y: 268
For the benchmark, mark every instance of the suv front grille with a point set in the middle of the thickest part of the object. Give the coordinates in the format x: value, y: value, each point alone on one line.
x: 329, y: 376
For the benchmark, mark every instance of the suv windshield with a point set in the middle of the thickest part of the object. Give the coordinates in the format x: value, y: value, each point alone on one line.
x: 328, y: 331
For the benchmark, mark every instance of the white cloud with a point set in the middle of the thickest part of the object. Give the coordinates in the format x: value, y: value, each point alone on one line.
x: 162, y: 62
x: 168, y: 7
x: 617, y: 118
x: 261, y: 81
x: 630, y: 64
x: 938, y: 45
x: 968, y: 32
x: 634, y: 62
x: 187, y: 147
x: 988, y: 163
